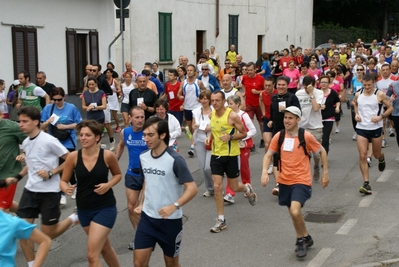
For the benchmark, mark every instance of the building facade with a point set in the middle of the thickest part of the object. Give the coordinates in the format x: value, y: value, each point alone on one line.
x: 55, y: 36
x: 163, y: 30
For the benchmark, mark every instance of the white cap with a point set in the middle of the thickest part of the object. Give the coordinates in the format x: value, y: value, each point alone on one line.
x: 294, y: 110
x: 15, y: 82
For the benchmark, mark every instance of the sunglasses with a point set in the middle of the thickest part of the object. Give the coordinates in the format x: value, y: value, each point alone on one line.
x: 359, y: 69
x: 227, y: 63
x: 204, y: 69
x: 93, y: 70
x: 57, y: 99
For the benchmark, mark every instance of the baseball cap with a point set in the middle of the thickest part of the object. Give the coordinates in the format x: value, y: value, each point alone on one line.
x: 15, y: 82
x: 294, y: 110
x: 336, y: 51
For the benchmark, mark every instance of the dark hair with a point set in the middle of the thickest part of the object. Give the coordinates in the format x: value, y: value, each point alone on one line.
x: 219, y: 92
x: 162, y: 127
x: 25, y: 73
x: 94, y: 126
x: 135, y: 108
x: 2, y: 82
x: 308, y: 80
x: 57, y: 91
x: 183, y: 69
x: 286, y: 50
x: 369, y: 77
x: 98, y: 66
x: 174, y: 72
x: 155, y: 63
x: 32, y: 112
x: 249, y: 64
x: 269, y: 79
x: 161, y: 102
x: 110, y: 70
x: 205, y: 94
x: 283, y: 78
x: 110, y: 63
x: 305, y: 64
x: 331, y: 73
x: 325, y: 77
x: 91, y: 78
x: 146, y: 72
x: 192, y: 65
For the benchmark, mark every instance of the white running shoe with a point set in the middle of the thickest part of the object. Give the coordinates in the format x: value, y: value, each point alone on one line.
x: 229, y: 199
x: 63, y: 200
x: 270, y: 169
x: 112, y: 146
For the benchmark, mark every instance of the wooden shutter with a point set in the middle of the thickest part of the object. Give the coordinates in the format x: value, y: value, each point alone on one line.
x: 94, y: 53
x: 71, y: 45
x: 165, y: 36
x: 24, y: 44
x: 233, y: 31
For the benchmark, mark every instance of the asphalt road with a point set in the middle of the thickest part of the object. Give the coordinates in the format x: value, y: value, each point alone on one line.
x: 366, y: 233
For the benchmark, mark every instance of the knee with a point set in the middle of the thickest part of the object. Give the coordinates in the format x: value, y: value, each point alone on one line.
x: 295, y: 213
x: 218, y: 187
x: 92, y: 257
x: 131, y: 205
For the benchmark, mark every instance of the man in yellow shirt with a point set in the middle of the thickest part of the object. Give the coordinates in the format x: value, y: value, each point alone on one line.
x: 231, y: 54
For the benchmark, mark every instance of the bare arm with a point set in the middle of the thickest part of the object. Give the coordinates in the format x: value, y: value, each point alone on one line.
x: 69, y: 166
x: 180, y: 92
x: 324, y: 160
x: 112, y: 163
x: 267, y: 159
x: 201, y: 85
x: 47, y: 98
x: 237, y: 123
x: 121, y: 145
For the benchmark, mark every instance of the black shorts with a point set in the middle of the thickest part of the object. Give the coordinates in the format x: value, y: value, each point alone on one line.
x: 47, y: 204
x: 369, y: 134
x: 166, y: 232
x: 225, y: 164
x: 188, y: 115
x: 105, y: 216
x: 134, y: 182
x: 266, y: 128
x: 296, y: 192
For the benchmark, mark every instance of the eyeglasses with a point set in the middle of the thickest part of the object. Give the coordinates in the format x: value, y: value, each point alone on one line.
x: 204, y: 69
x: 93, y: 70
x: 324, y: 82
x: 359, y: 69
x: 227, y: 63
x: 57, y: 99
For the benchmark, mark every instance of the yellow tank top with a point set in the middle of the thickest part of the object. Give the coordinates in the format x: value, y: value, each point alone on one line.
x: 220, y: 126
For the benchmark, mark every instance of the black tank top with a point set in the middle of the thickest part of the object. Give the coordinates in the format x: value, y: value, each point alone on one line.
x: 86, y: 198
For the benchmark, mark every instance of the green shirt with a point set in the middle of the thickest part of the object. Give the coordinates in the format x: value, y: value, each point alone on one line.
x: 10, y: 138
x: 28, y: 98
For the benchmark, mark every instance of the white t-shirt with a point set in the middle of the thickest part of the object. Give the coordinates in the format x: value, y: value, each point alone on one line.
x: 126, y: 91
x: 310, y: 119
x: 42, y: 153
x: 3, y: 105
x: 202, y: 121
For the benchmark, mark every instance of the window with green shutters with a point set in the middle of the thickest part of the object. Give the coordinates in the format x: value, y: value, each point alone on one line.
x: 233, y: 30
x: 165, y: 36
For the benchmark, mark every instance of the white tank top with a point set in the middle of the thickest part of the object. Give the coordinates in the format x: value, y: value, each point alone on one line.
x: 126, y: 91
x: 230, y: 93
x: 368, y: 107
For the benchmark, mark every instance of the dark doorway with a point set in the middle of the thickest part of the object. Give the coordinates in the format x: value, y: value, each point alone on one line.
x: 82, y: 59
x: 260, y: 45
x: 200, y: 44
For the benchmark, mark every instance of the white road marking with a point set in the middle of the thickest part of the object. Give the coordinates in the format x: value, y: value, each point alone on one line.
x: 321, y: 257
x: 344, y: 230
x: 366, y: 201
x: 384, y: 176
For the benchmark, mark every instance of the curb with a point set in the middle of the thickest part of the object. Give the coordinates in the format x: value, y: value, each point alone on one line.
x: 379, y: 264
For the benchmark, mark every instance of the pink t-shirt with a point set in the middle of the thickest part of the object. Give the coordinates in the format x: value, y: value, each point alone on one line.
x: 293, y: 75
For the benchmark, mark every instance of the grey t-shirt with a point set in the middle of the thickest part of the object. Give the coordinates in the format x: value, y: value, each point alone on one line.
x: 95, y: 97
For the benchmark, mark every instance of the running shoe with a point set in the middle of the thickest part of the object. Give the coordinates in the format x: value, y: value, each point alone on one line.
x: 391, y: 132
x: 131, y: 246
x: 252, y: 197
x: 228, y: 198
x: 308, y: 241
x: 262, y: 144
x: 270, y: 169
x: 219, y: 226
x: 63, y: 200
x: 384, y: 143
x: 191, y: 152
x: 208, y: 193
x: 365, y: 189
x: 300, y: 248
x: 112, y: 145
x: 189, y: 135
x: 118, y: 129
x: 381, y: 165
x: 276, y: 190
x: 354, y: 137
x: 369, y: 161
x: 337, y: 130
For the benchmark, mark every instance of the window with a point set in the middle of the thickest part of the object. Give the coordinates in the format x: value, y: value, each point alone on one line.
x: 24, y: 46
x: 165, y: 36
x: 233, y: 30
x: 94, y: 54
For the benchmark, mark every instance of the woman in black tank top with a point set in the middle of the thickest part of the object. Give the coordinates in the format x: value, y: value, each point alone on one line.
x: 95, y: 199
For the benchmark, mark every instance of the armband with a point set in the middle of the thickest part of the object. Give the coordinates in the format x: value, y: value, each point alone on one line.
x: 19, y: 177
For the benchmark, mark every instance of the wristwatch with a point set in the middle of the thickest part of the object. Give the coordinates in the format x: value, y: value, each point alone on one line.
x: 177, y: 205
x: 50, y: 174
x: 312, y: 96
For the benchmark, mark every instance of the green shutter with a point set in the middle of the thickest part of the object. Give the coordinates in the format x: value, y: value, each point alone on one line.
x: 165, y: 36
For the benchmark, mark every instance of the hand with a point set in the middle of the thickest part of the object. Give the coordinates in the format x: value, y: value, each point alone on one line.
x: 18, y: 106
x: 70, y: 190
x: 43, y: 174
x: 376, y: 119
x: 254, y: 91
x: 224, y: 137
x: 195, y: 126
x: 270, y: 124
x: 101, y: 189
x: 392, y: 98
x: 207, y: 140
x: 309, y: 89
x: 357, y: 118
x: 10, y: 181
x: 336, y: 110
x: 181, y: 97
x: 324, y: 180
x: 61, y: 127
x: 20, y: 157
x: 138, y: 209
x: 166, y: 211
x: 50, y: 120
x: 264, y: 179
x: 143, y: 106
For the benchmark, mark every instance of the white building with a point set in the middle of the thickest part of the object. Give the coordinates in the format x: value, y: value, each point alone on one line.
x: 163, y: 30
x: 58, y: 37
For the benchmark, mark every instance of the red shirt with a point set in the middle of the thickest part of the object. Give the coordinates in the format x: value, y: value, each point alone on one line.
x: 256, y: 83
x: 284, y: 62
x: 267, y: 102
x: 171, y: 93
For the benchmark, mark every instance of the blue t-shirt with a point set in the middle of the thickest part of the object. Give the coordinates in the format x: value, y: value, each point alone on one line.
x: 266, y: 67
x: 135, y: 144
x: 69, y: 114
x: 356, y: 86
x: 11, y: 229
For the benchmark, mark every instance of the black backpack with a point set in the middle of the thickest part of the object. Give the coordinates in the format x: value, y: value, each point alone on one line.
x: 302, y: 143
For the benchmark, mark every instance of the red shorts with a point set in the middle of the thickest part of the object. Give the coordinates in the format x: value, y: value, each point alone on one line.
x: 7, y: 196
x: 251, y: 110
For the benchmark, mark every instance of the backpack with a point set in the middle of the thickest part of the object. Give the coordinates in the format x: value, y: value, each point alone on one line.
x: 302, y: 142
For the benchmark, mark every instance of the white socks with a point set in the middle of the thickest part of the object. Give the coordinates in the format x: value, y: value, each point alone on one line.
x: 30, y: 264
x: 74, y: 218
